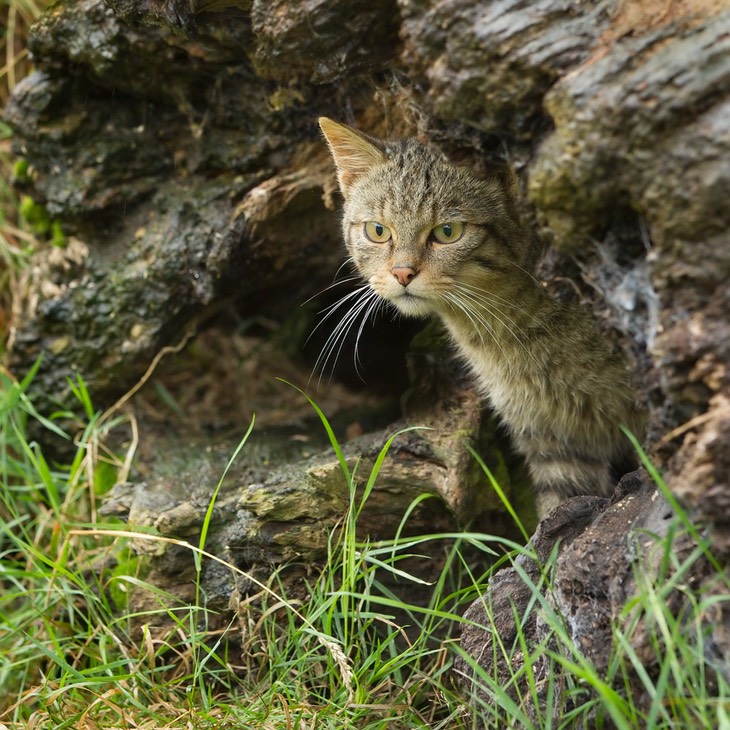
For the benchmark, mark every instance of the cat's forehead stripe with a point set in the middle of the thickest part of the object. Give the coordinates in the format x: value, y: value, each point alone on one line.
x: 411, y: 191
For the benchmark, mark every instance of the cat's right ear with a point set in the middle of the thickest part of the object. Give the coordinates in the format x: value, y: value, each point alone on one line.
x: 354, y: 153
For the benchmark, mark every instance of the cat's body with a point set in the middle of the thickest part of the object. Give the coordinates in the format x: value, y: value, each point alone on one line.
x: 432, y: 238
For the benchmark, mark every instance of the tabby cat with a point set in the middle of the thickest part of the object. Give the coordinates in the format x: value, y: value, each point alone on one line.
x: 433, y: 238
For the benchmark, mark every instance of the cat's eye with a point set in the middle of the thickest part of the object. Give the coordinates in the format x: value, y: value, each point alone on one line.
x: 448, y: 232
x: 377, y: 232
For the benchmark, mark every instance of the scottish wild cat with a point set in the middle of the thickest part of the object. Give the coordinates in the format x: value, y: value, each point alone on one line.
x: 432, y: 238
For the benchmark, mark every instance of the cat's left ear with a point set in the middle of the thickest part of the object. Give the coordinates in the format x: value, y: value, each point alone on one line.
x: 354, y: 153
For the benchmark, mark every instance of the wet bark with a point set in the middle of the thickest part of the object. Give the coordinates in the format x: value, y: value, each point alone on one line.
x: 600, y: 554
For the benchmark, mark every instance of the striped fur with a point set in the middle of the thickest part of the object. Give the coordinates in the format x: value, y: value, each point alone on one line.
x: 557, y: 386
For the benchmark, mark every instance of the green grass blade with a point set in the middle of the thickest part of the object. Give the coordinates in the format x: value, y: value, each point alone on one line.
x: 500, y: 492
x: 328, y: 428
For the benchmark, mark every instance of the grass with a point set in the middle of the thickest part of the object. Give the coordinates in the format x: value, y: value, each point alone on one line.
x: 17, y: 237
x: 351, y: 654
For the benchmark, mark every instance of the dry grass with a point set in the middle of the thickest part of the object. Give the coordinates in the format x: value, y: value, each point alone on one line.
x: 16, y: 18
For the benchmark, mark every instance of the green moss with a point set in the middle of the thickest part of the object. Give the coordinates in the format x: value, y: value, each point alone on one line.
x: 20, y: 171
x: 105, y: 477
x: 128, y: 565
x: 36, y: 217
x: 58, y: 238
x: 509, y: 471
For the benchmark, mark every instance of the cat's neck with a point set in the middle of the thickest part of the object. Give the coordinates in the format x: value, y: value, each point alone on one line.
x: 502, y: 324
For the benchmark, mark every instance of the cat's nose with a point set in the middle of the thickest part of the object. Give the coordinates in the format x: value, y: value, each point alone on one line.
x: 404, y: 274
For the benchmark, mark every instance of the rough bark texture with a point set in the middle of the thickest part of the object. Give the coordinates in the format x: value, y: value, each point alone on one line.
x: 599, y: 543
x: 176, y: 142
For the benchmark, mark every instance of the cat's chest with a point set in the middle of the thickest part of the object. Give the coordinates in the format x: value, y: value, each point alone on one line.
x: 504, y: 376
x: 493, y: 374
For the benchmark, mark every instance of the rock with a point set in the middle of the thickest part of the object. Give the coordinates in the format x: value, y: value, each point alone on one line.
x: 625, y: 124
x: 490, y: 64
x: 286, y: 495
x: 592, y: 581
x: 704, y: 472
x: 174, y: 257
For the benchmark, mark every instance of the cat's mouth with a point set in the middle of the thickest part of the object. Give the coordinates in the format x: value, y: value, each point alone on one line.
x: 412, y: 304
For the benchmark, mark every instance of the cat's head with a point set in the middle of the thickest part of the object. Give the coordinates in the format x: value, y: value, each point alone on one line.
x: 417, y: 226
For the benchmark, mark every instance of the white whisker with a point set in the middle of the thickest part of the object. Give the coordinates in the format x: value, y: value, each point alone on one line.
x: 525, y: 271
x: 495, y: 299
x: 332, y: 308
x: 491, y: 308
x: 366, y: 303
x: 335, y: 283
x: 349, y: 261
x: 476, y: 318
x: 372, y: 310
